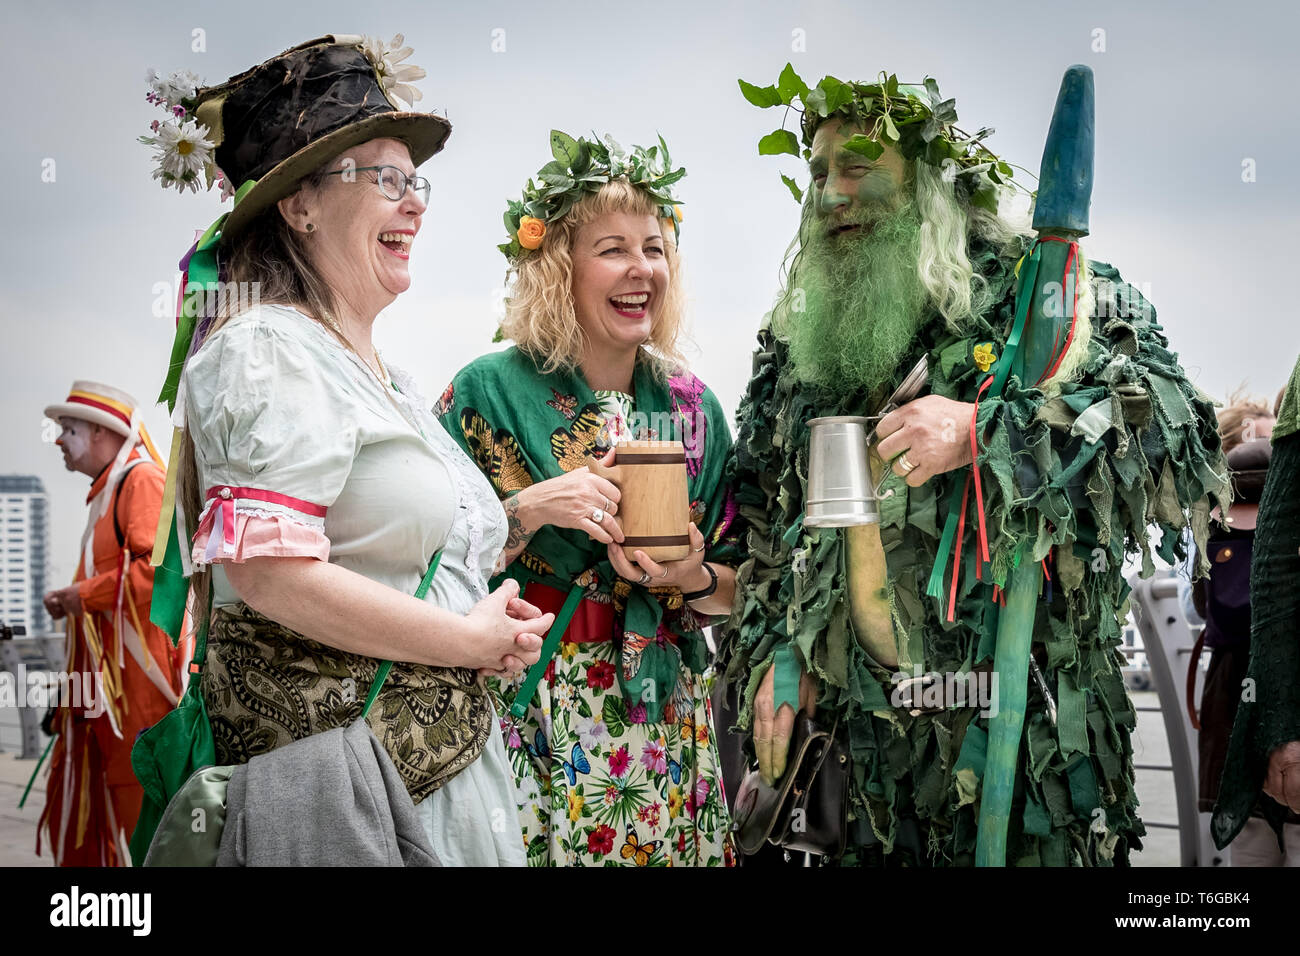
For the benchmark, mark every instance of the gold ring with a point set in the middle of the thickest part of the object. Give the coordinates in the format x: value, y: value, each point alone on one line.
x: 907, y: 466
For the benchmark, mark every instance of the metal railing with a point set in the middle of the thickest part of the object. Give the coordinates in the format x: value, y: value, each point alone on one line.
x: 23, y: 655
x: 1168, y: 642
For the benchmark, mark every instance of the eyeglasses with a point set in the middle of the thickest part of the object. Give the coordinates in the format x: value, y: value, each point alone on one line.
x: 393, y: 183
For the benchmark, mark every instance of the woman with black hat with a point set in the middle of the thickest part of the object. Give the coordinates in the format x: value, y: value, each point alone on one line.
x: 325, y: 485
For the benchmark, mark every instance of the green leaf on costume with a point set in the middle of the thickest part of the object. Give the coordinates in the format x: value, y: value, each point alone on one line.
x: 838, y: 93
x: 564, y: 148
x: 932, y: 87
x: 816, y: 102
x: 986, y: 197
x: 864, y: 146
x: 946, y: 112
x: 612, y: 714
x: 565, y: 205
x: 891, y: 131
x: 761, y: 96
x: 538, y: 849
x: 663, y: 151
x: 793, y: 187
x: 778, y: 142
x: 910, y: 143
x: 583, y: 162
x: 789, y: 85
x: 498, y: 336
x: 668, y: 179
x: 891, y: 85
x: 583, y: 707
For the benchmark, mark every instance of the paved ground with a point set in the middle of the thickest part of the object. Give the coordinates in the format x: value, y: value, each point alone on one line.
x: 18, y: 827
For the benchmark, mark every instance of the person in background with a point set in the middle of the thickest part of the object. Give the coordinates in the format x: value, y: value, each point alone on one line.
x: 1261, y: 770
x: 1222, y: 600
x: 126, y: 675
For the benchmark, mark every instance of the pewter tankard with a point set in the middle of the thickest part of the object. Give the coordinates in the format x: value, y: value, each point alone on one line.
x: 840, y: 492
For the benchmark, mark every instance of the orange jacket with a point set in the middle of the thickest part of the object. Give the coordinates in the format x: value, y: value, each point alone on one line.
x: 150, y: 680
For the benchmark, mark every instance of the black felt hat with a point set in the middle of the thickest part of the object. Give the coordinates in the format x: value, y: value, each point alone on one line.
x: 280, y: 121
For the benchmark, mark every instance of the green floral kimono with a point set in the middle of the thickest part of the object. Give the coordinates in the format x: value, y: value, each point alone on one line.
x: 1083, y: 474
x: 615, y: 759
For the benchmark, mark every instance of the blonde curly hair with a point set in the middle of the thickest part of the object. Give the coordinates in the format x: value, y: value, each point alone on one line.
x: 1241, y: 407
x: 540, y: 318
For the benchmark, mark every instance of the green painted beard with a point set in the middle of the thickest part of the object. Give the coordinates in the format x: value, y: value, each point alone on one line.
x: 862, y: 303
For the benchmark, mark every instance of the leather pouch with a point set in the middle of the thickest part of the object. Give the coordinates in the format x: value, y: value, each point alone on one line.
x: 806, y: 811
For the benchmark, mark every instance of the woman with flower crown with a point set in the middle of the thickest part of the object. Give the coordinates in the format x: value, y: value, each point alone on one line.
x: 326, y: 487
x: 614, y: 752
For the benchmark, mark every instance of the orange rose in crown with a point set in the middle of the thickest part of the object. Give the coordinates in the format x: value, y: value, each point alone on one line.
x: 531, y: 232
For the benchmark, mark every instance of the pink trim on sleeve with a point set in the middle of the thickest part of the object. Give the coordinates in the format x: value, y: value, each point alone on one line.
x: 261, y: 536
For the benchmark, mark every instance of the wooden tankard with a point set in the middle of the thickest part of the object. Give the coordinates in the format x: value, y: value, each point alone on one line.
x: 654, y: 511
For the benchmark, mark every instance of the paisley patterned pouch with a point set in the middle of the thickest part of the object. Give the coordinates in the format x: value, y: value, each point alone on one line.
x: 266, y: 686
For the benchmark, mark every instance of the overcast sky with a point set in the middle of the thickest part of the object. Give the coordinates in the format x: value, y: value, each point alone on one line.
x: 1186, y: 93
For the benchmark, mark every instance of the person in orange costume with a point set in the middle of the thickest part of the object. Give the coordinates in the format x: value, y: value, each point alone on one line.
x: 123, y: 673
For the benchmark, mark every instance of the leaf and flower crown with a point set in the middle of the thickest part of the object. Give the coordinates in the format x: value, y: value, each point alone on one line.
x: 581, y: 167
x: 913, y: 119
x: 183, y: 145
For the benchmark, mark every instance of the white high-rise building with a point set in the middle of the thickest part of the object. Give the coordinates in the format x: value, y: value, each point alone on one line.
x: 24, y: 552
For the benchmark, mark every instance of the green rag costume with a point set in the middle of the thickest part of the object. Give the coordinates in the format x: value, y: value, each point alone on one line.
x: 1080, y: 476
x: 1269, y: 715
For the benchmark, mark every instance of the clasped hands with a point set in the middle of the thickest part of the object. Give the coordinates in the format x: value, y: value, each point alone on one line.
x: 515, y: 631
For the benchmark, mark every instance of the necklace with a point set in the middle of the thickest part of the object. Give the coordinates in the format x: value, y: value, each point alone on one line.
x: 382, y: 374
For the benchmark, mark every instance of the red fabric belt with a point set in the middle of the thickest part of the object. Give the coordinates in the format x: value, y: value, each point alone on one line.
x: 592, y: 622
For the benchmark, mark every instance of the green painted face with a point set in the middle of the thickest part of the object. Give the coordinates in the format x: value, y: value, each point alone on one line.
x: 850, y: 190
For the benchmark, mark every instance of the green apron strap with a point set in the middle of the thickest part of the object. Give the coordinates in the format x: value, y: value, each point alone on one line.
x: 381, y: 674
x: 549, y: 647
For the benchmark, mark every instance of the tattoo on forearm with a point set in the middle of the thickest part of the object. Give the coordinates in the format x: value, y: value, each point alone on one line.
x: 517, y: 536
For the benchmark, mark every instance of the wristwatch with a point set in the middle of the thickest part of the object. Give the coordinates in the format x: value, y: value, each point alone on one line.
x: 703, y: 592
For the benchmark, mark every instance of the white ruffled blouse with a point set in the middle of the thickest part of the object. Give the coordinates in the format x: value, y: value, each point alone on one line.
x: 302, y: 451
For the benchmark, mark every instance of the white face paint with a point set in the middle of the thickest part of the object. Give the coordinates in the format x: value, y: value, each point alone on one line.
x: 75, y: 441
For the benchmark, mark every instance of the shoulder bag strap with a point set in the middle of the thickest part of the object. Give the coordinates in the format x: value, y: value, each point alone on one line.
x: 381, y: 675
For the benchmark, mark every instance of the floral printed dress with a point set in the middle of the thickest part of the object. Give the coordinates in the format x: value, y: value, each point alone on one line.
x: 608, y: 772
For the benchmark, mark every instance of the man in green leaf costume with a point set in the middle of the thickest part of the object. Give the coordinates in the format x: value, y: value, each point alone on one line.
x: 905, y: 250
